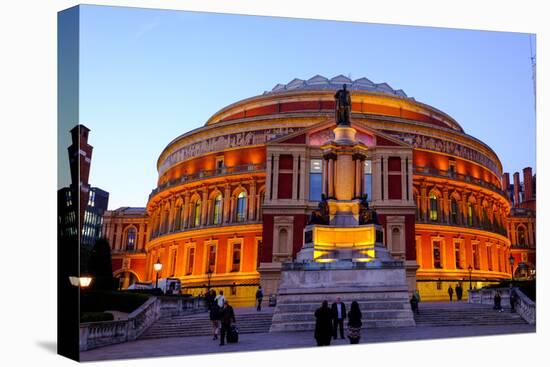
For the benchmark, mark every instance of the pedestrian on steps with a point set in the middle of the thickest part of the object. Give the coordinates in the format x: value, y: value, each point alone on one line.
x: 227, y: 315
x: 450, y: 291
x: 214, y: 315
x: 354, y: 323
x: 496, y: 300
x: 323, y: 324
x: 259, y: 297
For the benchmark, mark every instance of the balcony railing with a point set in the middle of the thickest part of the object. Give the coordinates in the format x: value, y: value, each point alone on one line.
x: 223, y: 171
x: 428, y: 171
x: 480, y: 226
x: 158, y: 233
x: 127, y: 251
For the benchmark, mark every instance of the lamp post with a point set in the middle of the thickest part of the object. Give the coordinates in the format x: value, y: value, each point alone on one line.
x: 158, y: 267
x: 209, y: 275
x: 470, y: 272
x: 511, y: 260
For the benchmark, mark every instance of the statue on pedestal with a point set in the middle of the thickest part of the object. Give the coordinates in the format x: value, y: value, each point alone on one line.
x: 343, y: 107
x: 320, y: 215
x: 367, y: 215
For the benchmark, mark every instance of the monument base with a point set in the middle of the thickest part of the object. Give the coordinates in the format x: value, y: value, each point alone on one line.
x: 380, y: 290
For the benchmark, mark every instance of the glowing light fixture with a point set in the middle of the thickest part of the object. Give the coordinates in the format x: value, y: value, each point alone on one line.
x: 82, y: 282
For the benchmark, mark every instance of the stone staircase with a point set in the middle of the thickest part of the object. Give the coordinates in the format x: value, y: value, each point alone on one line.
x: 248, y: 321
x: 378, y: 309
x: 464, y: 314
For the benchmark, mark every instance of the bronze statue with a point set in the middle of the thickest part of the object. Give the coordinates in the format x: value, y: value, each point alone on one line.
x: 343, y: 106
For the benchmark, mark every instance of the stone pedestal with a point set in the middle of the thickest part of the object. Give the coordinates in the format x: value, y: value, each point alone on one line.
x: 380, y: 290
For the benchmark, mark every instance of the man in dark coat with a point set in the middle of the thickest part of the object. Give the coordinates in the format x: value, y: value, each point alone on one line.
x: 458, y: 291
x: 450, y: 291
x: 226, y: 317
x: 338, y: 314
x: 323, y: 324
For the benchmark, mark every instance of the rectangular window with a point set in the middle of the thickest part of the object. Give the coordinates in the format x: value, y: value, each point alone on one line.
x: 437, y: 254
x: 236, y: 257
x: 190, y: 261
x: 315, y: 179
x: 475, y: 255
x: 212, y: 257
x: 173, y: 262
x: 368, y: 180
x: 458, y: 258
x: 489, y: 258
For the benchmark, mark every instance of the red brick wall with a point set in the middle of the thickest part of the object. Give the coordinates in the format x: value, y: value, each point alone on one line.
x: 410, y: 243
x: 394, y: 187
x: 267, y: 238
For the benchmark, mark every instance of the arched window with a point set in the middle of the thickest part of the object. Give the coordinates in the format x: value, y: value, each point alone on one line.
x: 177, y: 223
x: 195, y: 214
x: 454, y: 211
x: 217, y: 210
x: 131, y: 239
x: 241, y: 207
x: 434, y: 208
x: 470, y: 215
x: 521, y: 236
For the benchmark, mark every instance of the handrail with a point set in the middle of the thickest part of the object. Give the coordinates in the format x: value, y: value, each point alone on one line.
x: 525, y: 307
x: 103, y: 333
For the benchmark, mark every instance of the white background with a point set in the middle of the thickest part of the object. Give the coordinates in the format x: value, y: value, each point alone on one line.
x: 28, y: 181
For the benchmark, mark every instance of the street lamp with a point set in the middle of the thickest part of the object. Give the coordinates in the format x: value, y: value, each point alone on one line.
x: 209, y: 275
x: 82, y: 282
x: 511, y: 260
x: 158, y: 267
x: 470, y: 272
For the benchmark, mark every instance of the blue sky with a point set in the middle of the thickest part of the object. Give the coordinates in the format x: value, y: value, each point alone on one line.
x: 147, y: 76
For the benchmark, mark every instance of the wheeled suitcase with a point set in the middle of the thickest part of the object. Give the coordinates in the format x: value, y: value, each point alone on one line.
x: 233, y: 334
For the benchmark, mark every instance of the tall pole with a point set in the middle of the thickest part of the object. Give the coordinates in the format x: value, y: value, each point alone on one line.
x: 157, y: 281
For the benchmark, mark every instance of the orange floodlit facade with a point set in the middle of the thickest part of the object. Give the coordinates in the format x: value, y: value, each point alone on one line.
x: 233, y: 197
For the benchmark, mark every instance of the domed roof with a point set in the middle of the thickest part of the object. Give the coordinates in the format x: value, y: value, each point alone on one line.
x: 319, y: 82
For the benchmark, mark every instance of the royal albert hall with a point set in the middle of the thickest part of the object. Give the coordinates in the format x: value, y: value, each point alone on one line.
x: 233, y: 197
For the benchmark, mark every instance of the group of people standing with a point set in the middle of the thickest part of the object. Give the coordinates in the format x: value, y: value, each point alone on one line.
x: 330, y: 320
x: 221, y: 315
x: 458, y: 290
x: 497, y: 300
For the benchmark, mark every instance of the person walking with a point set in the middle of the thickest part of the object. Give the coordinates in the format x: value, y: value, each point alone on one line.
x: 227, y: 315
x: 414, y: 304
x: 220, y: 299
x: 496, y: 300
x: 323, y: 324
x: 259, y: 298
x: 458, y: 291
x: 208, y: 299
x: 339, y: 315
x: 450, y: 291
x: 215, y: 313
x: 354, y: 323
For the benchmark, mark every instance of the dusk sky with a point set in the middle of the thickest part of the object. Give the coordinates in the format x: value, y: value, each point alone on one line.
x: 148, y: 76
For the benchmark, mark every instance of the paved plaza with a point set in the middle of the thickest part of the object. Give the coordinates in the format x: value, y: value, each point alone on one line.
x: 271, y: 341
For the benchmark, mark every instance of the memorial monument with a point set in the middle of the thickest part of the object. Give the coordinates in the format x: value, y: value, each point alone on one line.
x: 342, y: 253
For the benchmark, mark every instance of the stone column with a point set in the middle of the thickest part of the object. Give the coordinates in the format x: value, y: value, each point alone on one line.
x: 376, y: 177
x: 446, y: 202
x: 251, y: 200
x: 204, y: 209
x: 357, y: 162
x: 226, y: 203
x: 295, y: 176
x: 186, y: 211
x: 303, y: 172
x: 410, y: 181
x: 324, y: 176
x: 275, y: 194
x: 424, y: 201
x: 530, y: 231
x: 385, y: 182
x: 404, y: 182
x: 268, y: 177
x: 331, y: 177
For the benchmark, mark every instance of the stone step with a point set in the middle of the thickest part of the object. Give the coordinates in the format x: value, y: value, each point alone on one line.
x: 371, y: 315
x: 363, y: 306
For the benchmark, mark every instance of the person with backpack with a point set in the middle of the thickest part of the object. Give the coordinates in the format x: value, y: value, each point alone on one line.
x: 259, y: 297
x: 220, y: 299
